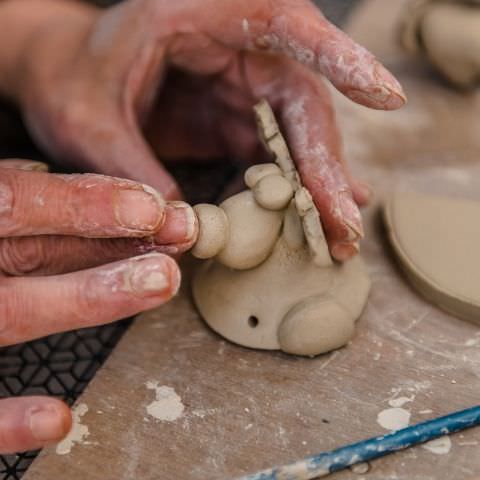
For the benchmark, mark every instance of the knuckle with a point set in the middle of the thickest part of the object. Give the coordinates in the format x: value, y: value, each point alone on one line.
x: 22, y: 256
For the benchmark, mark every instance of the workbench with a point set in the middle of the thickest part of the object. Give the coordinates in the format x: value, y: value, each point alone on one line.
x: 245, y: 410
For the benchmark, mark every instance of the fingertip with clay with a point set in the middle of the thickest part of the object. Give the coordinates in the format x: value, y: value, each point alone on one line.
x: 180, y: 228
x: 344, y: 244
x: 29, y: 423
x: 384, y: 92
x: 152, y: 275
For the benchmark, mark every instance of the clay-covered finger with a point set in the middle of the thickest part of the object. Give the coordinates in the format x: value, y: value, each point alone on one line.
x: 179, y: 231
x: 298, y: 29
x: 309, y: 122
x: 55, y: 254
x: 36, y: 203
x: 29, y: 423
x: 32, y: 307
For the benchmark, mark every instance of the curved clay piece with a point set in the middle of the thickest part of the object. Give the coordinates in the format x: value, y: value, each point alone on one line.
x: 436, y: 242
x: 213, y: 230
x: 253, y: 231
x: 248, y: 307
x: 315, y: 325
x: 257, y: 172
x: 312, y: 228
x: 273, y: 192
x: 293, y: 229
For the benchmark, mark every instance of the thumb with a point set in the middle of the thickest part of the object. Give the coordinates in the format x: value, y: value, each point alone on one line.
x: 128, y: 155
x: 29, y: 423
x: 112, y: 145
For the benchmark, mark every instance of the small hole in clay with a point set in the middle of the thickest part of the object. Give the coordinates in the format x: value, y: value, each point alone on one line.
x: 253, y: 321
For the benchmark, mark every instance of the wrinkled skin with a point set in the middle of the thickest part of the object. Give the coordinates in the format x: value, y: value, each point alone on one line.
x: 67, y: 264
x: 188, y: 73
x: 118, y: 91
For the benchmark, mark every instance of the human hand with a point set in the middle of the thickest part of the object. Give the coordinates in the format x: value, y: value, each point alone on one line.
x: 185, y: 75
x: 59, y: 235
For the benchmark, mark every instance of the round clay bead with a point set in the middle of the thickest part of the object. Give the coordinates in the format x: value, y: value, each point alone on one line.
x: 253, y: 232
x: 273, y: 192
x: 257, y: 172
x: 212, y: 231
x: 315, y: 325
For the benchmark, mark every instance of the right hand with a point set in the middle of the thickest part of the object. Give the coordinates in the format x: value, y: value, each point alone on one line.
x: 59, y: 235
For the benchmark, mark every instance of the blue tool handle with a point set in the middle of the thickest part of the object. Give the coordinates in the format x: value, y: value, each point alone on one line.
x: 328, y: 462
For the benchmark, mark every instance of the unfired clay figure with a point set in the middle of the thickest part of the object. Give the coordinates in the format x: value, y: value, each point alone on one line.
x: 270, y: 282
x: 448, y: 33
x: 436, y: 242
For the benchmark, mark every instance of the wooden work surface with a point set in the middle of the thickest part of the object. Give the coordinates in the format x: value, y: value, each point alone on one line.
x: 247, y: 410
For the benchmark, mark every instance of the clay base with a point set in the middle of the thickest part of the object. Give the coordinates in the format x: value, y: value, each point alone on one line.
x: 286, y: 303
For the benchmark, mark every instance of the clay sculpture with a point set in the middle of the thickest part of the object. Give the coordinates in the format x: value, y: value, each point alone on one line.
x: 447, y: 32
x: 270, y: 282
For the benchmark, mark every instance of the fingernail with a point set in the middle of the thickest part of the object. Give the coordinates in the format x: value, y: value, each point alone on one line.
x: 351, y: 217
x: 344, y: 251
x: 379, y: 97
x: 385, y: 91
x: 150, y: 276
x: 180, y: 226
x: 139, y: 210
x: 47, y: 424
x: 388, y: 88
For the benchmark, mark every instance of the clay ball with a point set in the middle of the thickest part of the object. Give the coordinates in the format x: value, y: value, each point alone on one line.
x: 273, y: 192
x: 257, y: 172
x: 253, y: 232
x: 315, y: 325
x: 213, y: 231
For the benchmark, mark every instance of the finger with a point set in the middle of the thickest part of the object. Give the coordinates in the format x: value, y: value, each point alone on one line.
x: 36, y: 203
x: 309, y: 121
x: 31, y: 307
x: 126, y: 154
x: 131, y: 157
x: 29, y: 423
x: 21, y: 164
x: 298, y: 29
x: 49, y: 255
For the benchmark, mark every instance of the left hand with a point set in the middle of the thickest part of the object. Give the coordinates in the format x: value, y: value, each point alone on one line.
x: 185, y: 75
